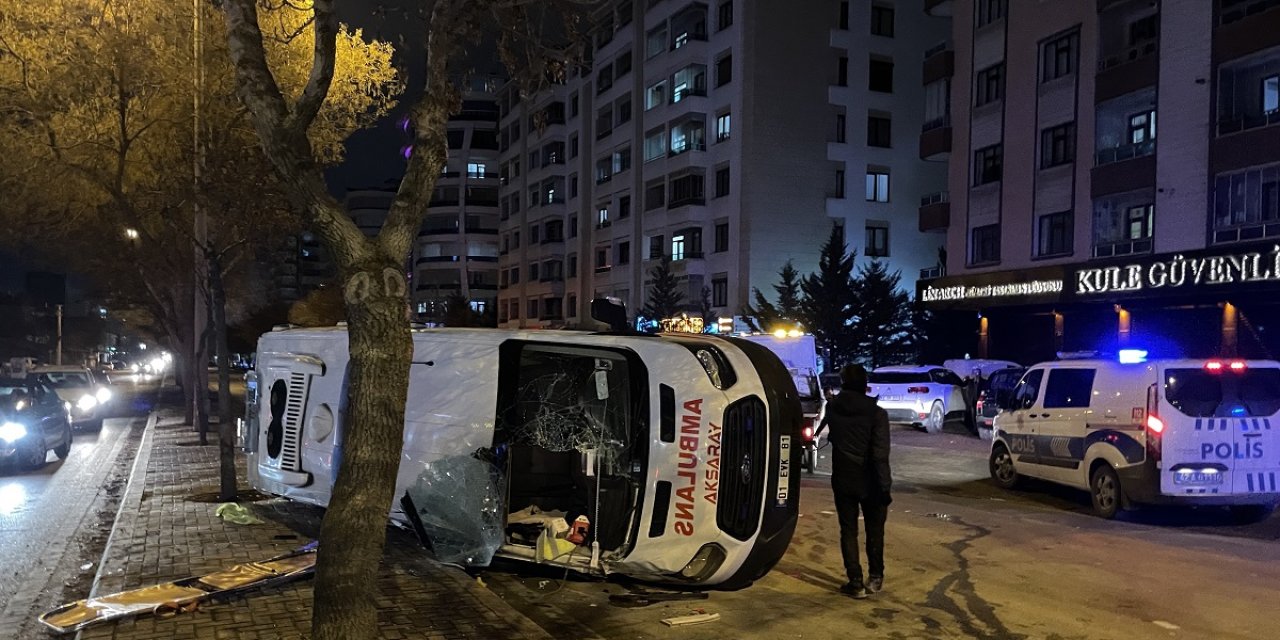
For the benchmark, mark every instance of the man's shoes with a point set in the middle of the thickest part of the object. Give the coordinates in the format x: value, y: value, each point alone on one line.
x: 875, y: 585
x: 855, y: 591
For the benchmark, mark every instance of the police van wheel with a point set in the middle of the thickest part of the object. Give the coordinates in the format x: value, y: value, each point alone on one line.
x: 1002, y: 470
x: 933, y: 424
x: 1104, y: 487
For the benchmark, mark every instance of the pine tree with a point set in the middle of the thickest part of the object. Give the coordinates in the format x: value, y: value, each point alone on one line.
x: 828, y: 305
x: 765, y: 315
x: 885, y: 332
x: 665, y: 296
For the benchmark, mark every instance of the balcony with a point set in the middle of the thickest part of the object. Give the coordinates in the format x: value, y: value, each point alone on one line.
x: 935, y: 211
x: 1124, y: 152
x: 1245, y: 27
x: 435, y: 231
x: 1250, y: 147
x: 939, y: 8
x: 1125, y: 174
x: 939, y: 63
x: 1135, y: 68
x: 935, y: 139
x: 1244, y: 123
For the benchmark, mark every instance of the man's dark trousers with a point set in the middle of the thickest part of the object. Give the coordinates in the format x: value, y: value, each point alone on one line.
x: 874, y: 513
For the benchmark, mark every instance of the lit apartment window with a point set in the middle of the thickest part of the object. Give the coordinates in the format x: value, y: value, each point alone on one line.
x: 722, y: 127
x: 1055, y: 234
x: 602, y: 217
x: 988, y: 165
x: 689, y: 81
x: 1058, y: 145
x: 881, y: 21
x: 677, y: 246
x: 880, y: 75
x: 877, y: 186
x: 475, y: 170
x: 878, y: 131
x: 988, y: 11
x: 990, y: 85
x: 985, y: 244
x: 1270, y: 94
x: 877, y: 242
x: 1058, y: 57
x: 655, y: 95
x: 1142, y: 127
x: 655, y: 145
x: 1138, y: 222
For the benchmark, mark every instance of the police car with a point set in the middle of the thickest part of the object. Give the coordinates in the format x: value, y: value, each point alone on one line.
x: 1132, y: 431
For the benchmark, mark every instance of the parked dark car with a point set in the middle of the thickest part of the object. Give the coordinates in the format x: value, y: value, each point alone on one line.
x: 995, y: 395
x: 33, y: 420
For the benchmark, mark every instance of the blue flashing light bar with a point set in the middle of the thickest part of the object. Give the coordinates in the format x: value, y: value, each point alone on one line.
x: 1132, y: 356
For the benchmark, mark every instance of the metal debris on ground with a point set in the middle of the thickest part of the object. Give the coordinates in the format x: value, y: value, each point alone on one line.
x: 181, y: 596
x: 940, y: 516
x: 646, y: 598
x: 86, y: 566
x: 698, y: 616
x: 237, y: 513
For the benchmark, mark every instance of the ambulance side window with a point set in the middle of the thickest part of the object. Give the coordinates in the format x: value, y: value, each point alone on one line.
x: 1024, y: 396
x: 1068, y: 388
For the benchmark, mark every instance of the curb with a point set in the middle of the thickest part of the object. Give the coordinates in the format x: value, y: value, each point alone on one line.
x: 132, y: 499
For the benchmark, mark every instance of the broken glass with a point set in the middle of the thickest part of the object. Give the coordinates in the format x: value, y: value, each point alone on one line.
x: 456, y: 503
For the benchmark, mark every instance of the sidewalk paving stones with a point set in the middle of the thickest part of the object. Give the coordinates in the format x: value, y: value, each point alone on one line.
x: 166, y: 529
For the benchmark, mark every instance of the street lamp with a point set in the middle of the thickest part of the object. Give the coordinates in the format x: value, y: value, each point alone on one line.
x: 131, y: 233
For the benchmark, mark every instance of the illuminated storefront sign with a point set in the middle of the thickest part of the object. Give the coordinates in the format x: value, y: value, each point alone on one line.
x: 1178, y: 271
x: 930, y: 293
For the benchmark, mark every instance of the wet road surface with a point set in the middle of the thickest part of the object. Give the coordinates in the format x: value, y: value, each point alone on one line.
x: 964, y: 559
x: 54, y: 520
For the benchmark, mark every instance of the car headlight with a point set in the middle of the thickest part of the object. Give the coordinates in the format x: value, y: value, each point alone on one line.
x: 704, y: 563
x: 86, y: 402
x: 12, y: 431
x: 103, y: 395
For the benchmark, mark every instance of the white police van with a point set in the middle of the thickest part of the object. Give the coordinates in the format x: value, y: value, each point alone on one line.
x: 1132, y: 431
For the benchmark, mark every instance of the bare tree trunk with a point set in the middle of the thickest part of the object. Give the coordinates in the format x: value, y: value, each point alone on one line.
x: 226, y: 428
x: 381, y: 349
x: 201, y: 390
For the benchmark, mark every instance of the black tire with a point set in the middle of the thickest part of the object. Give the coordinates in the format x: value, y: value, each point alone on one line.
x: 1104, y: 489
x: 937, y: 417
x: 63, y: 450
x: 1001, y: 467
x: 1251, y: 513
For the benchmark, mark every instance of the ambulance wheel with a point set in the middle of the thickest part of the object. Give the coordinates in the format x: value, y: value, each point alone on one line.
x: 1251, y: 513
x: 1002, y: 470
x: 1104, y: 487
x: 933, y: 424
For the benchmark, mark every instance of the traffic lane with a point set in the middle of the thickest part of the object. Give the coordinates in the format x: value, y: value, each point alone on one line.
x: 49, y: 517
x: 957, y: 465
x: 956, y: 568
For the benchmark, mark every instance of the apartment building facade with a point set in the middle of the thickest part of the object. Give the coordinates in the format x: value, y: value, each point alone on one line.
x: 726, y: 137
x: 1075, y: 222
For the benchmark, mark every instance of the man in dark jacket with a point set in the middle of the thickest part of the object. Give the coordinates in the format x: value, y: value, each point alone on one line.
x: 860, y: 476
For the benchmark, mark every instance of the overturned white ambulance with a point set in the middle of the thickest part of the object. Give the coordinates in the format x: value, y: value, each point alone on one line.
x: 679, y: 450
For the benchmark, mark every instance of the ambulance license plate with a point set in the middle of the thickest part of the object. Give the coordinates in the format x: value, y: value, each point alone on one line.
x: 1197, y: 477
x: 784, y: 470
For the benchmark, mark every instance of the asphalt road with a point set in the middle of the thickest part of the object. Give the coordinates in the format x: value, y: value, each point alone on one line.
x: 55, y: 519
x: 964, y: 560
